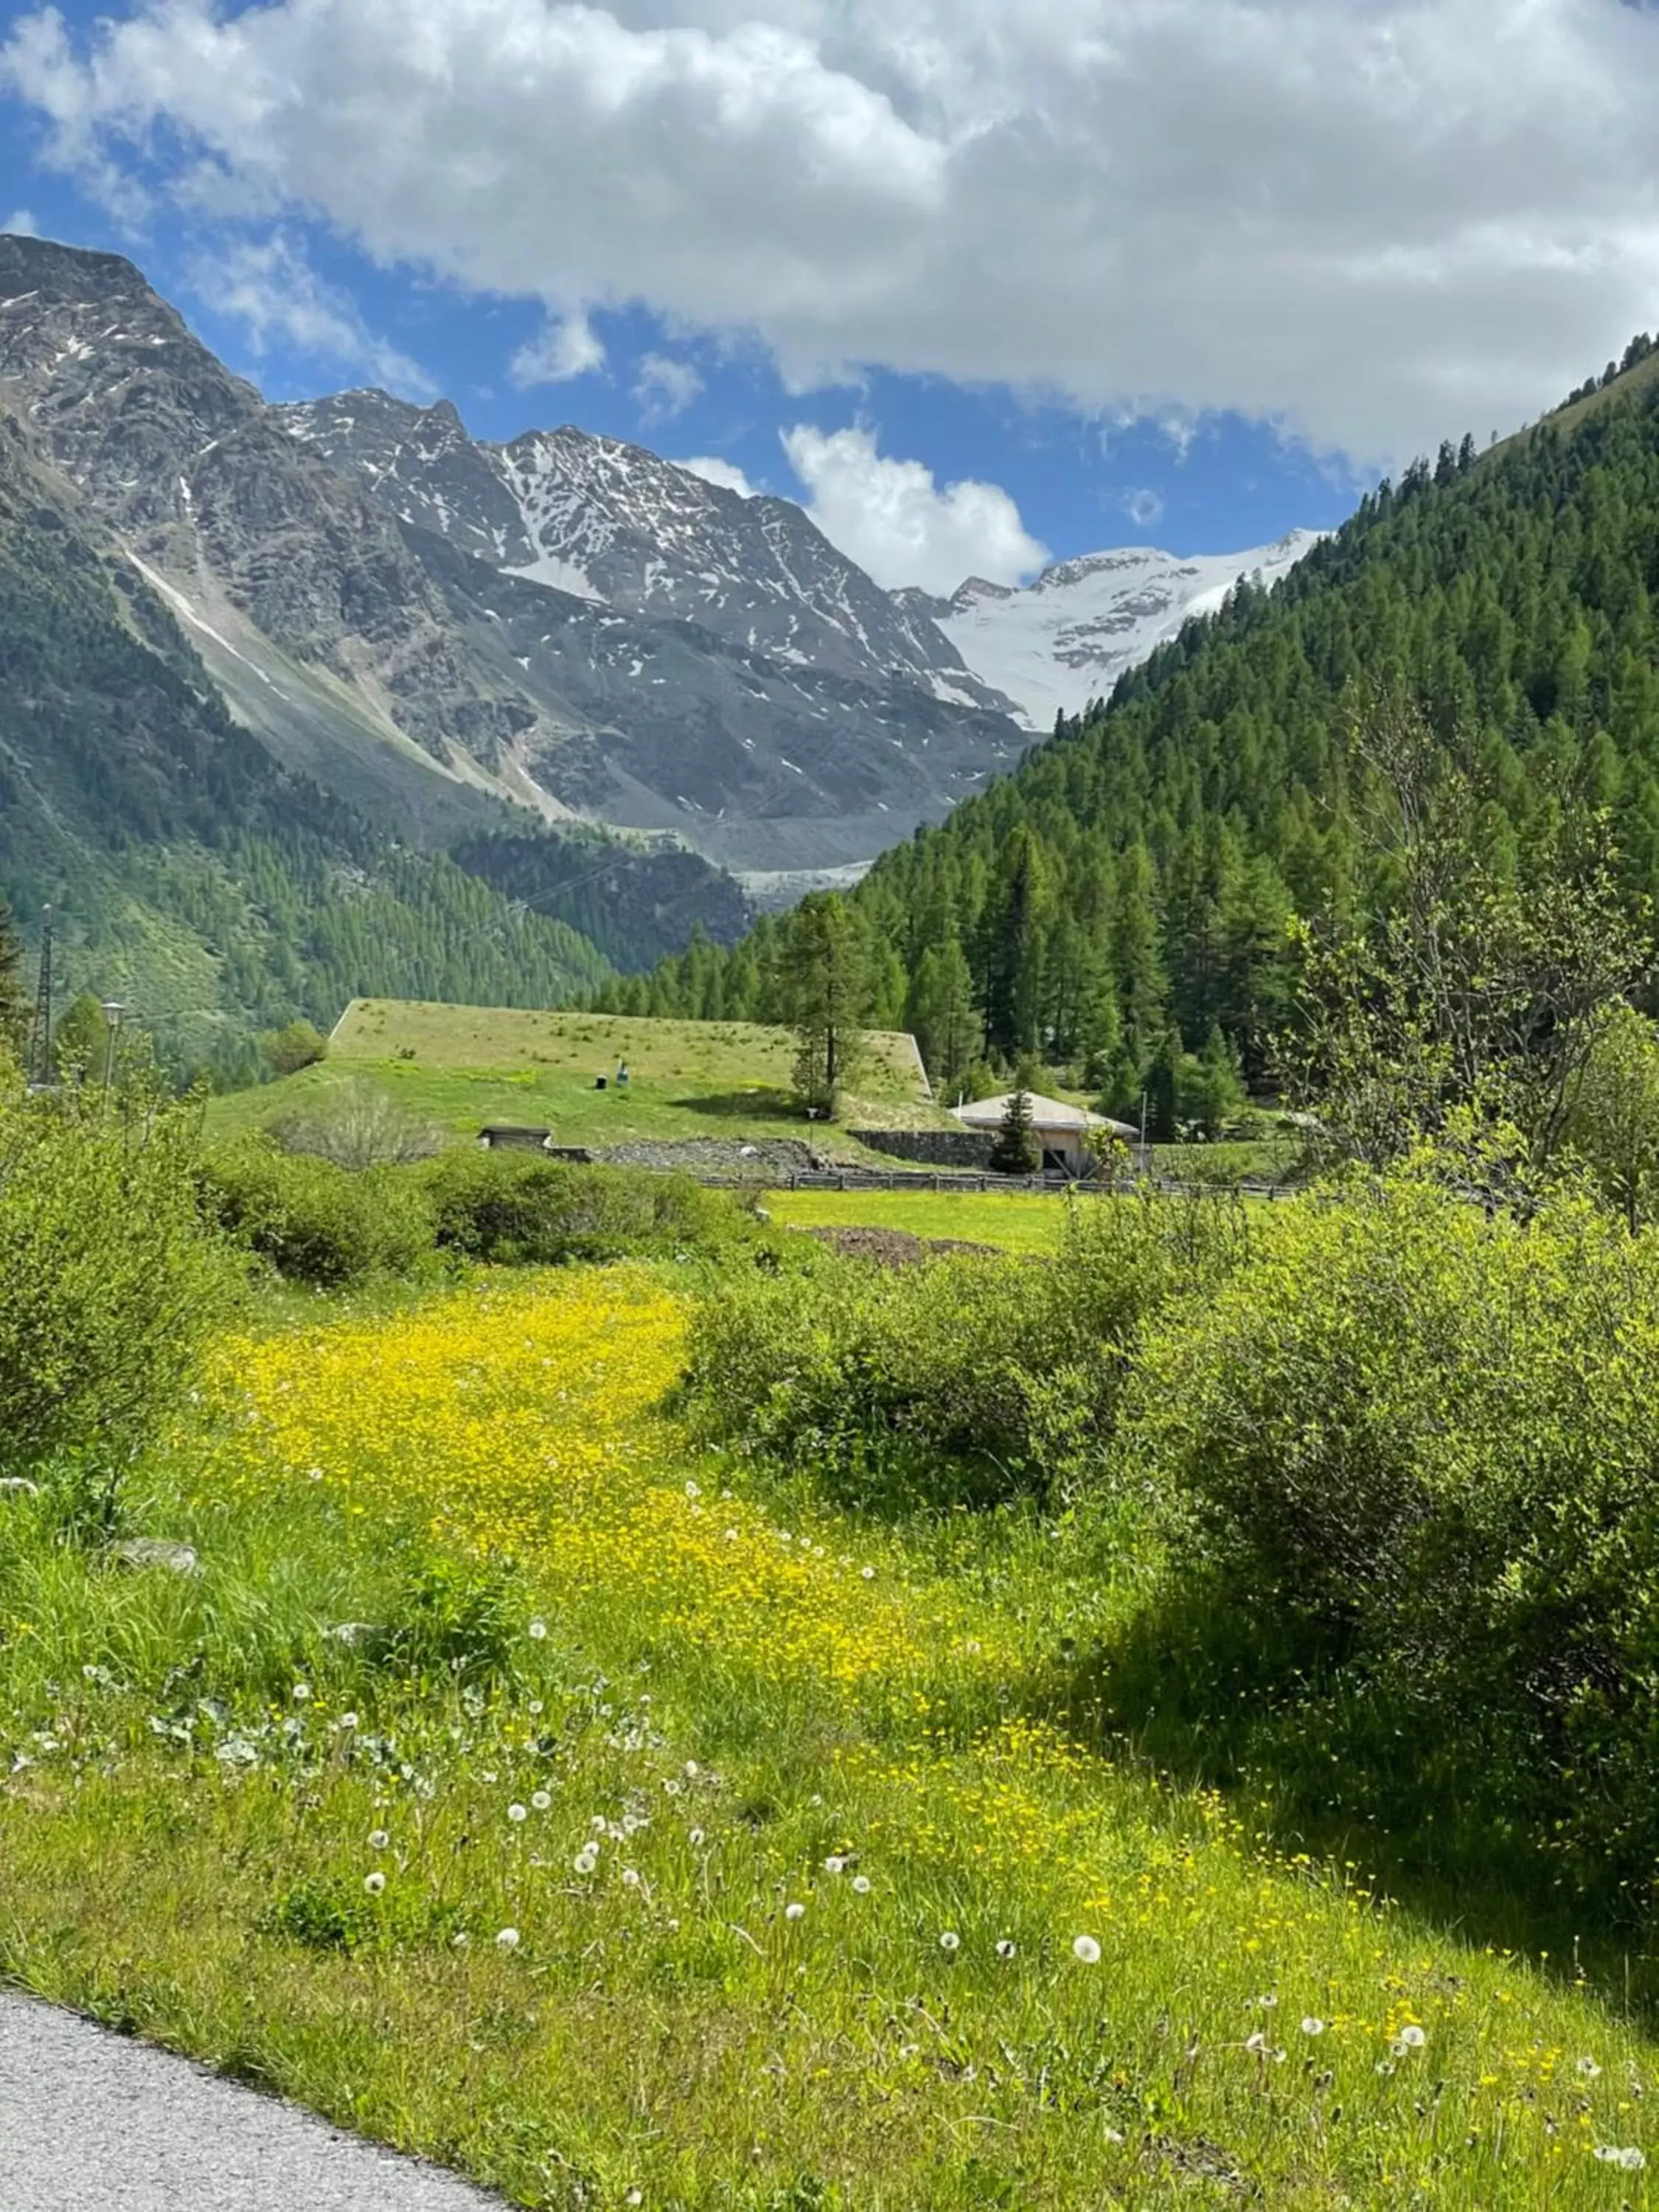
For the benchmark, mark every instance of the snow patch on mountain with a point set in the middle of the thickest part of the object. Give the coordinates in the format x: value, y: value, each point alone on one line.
x: 1067, y: 638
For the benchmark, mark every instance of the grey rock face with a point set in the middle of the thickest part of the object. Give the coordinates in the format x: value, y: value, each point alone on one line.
x: 615, y: 523
x: 430, y: 626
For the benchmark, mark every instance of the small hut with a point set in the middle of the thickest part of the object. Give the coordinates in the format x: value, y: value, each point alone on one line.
x: 1061, y: 1131
x: 511, y: 1137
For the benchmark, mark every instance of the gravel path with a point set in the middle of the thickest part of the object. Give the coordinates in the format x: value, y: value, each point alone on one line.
x: 93, y: 2122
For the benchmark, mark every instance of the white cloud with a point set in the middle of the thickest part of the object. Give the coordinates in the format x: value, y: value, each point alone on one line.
x: 566, y: 347
x: 893, y: 520
x: 727, y: 474
x: 1374, y: 223
x: 1143, y: 507
x: 666, y: 387
x: 21, y: 223
x: 271, y: 288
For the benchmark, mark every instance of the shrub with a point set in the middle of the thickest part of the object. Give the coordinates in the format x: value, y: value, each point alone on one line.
x: 286, y: 1051
x: 316, y: 1222
x: 355, y: 1125
x: 515, y: 1208
x: 108, y: 1278
x: 966, y: 1379
x: 1421, y: 1447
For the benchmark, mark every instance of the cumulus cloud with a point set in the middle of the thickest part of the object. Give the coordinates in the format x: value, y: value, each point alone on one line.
x: 897, y: 523
x: 21, y: 223
x: 666, y: 387
x: 565, y: 348
x: 726, y: 474
x: 271, y: 288
x: 1374, y: 224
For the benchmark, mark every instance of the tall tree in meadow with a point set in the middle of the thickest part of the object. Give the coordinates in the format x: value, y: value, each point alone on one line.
x: 823, y: 984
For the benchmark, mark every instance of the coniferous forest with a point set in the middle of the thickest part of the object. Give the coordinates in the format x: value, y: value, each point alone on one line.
x: 1122, y: 902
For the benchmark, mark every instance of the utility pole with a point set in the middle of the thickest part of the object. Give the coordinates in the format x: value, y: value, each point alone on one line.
x: 39, y: 1059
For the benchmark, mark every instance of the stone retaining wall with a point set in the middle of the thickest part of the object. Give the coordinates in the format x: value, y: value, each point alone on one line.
x: 934, y: 1148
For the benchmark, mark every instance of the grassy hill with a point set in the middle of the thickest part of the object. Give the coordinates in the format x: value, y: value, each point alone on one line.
x: 460, y: 1067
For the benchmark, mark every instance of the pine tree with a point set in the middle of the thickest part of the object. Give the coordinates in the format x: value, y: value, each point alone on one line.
x: 822, y: 977
x: 1015, y: 1152
x: 940, y: 1013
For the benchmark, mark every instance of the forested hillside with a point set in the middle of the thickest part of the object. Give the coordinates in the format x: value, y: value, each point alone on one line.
x: 1127, y: 892
x: 191, y: 875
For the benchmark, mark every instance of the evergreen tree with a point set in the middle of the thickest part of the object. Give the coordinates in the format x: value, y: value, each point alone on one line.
x: 822, y: 977
x: 940, y: 1013
x: 1015, y: 1152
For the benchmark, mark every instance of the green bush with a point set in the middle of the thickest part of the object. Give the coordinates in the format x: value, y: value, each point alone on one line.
x: 108, y: 1278
x: 316, y: 1222
x: 515, y: 1209
x: 964, y: 1380
x: 1420, y: 1451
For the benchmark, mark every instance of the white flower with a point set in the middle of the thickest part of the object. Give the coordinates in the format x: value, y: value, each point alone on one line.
x: 347, y: 1721
x: 537, y: 1631
x: 869, y: 1573
x: 631, y: 1878
x: 692, y: 1770
x: 692, y: 1490
x: 374, y: 1883
x: 1085, y: 1949
x: 516, y: 1812
x: 1630, y: 2158
x: 950, y: 1941
x: 378, y: 1839
x: 835, y: 1866
x: 585, y: 1860
x: 541, y: 1799
x: 535, y: 1705
x: 507, y: 1939
x: 1005, y: 1947
x: 794, y: 1912
x: 635, y: 2197
x: 861, y: 1884
x: 694, y: 1838
x: 301, y: 1691
x: 1313, y: 2025
x: 1588, y: 2068
x: 1410, y: 2038
x: 598, y: 1823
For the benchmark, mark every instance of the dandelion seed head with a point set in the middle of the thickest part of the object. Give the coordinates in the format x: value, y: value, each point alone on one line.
x: 507, y: 1939
x: 374, y: 1883
x: 861, y: 1884
x: 1313, y: 2026
x: 516, y: 1812
x: 833, y: 1865
x: 1005, y: 1947
x: 537, y: 1631
x: 794, y: 1912
x: 1085, y: 1949
x: 950, y: 1941
x: 378, y: 1839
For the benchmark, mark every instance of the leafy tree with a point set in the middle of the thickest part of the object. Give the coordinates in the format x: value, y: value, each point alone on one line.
x: 1613, y: 1122
x: 1212, y: 1086
x: 299, y: 1044
x: 81, y: 1042
x: 822, y: 983
x: 1015, y: 1152
x: 15, y: 1003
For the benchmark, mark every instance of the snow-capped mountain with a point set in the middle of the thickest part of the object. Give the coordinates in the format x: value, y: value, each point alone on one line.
x: 1067, y: 638
x: 432, y: 628
x: 617, y: 525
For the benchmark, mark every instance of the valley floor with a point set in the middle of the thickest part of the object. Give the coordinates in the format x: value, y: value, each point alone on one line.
x: 517, y: 1786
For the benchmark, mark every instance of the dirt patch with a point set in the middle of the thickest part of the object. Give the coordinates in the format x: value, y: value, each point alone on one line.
x: 894, y: 1247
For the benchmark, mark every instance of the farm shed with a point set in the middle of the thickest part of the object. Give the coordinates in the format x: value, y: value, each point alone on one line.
x: 509, y: 1136
x: 1061, y: 1131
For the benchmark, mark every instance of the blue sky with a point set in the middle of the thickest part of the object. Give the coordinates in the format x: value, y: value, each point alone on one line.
x: 983, y: 281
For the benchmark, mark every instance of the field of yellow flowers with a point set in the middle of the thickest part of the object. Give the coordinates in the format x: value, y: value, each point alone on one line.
x: 509, y: 1781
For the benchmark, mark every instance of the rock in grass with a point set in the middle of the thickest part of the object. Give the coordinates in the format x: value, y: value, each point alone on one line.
x: 155, y: 1552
